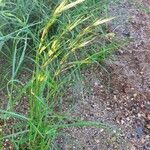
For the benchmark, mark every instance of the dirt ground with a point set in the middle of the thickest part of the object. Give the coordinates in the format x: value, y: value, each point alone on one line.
x: 119, y: 92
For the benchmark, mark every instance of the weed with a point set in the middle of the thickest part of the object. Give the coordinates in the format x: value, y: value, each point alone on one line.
x: 57, y: 39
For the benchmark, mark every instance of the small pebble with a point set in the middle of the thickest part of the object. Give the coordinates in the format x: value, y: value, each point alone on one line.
x: 141, y: 73
x: 6, y: 140
x: 96, y: 83
x: 115, y: 97
x: 97, y: 141
x: 139, y: 115
x: 101, y: 130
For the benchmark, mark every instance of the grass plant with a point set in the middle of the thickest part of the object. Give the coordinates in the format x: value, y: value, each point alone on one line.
x: 50, y: 40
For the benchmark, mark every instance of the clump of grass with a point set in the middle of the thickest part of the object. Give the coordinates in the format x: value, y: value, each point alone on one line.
x: 57, y: 42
